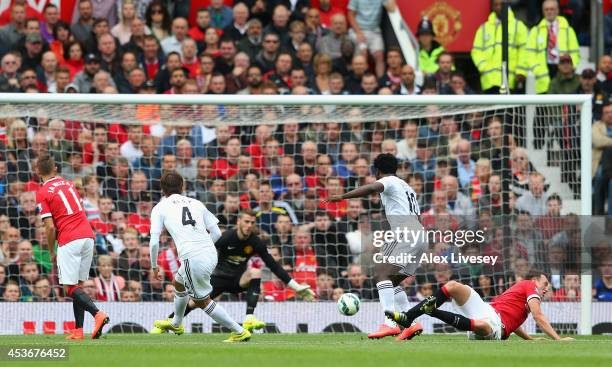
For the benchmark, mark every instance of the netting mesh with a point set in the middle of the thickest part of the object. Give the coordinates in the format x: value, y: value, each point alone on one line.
x: 240, y: 115
x: 283, y: 161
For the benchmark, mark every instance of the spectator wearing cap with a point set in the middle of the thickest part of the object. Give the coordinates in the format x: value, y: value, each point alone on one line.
x: 364, y: 17
x: 32, y: 56
x: 429, y: 48
x: 589, y: 85
x: 548, y: 41
x: 487, y: 49
x: 566, y: 81
x: 84, y: 79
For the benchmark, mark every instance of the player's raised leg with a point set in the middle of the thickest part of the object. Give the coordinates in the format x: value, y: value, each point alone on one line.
x: 251, y: 280
x: 463, y: 296
x: 60, y: 208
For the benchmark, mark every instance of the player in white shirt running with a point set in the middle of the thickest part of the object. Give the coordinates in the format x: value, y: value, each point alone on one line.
x: 402, y: 211
x: 189, y: 223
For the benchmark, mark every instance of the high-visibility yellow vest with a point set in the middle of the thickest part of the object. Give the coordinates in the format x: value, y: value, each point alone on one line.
x: 428, y: 62
x: 487, y: 50
x: 536, y: 58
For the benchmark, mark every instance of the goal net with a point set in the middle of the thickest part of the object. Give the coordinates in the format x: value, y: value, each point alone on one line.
x: 511, y: 170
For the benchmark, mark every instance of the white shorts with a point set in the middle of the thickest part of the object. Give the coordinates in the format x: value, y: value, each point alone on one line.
x: 477, y: 309
x: 195, y: 273
x: 74, y: 261
x: 374, y: 40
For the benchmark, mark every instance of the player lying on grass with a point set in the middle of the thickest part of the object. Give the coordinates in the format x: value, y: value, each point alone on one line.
x: 61, y: 210
x: 402, y: 211
x: 483, y: 321
x: 189, y: 223
x: 235, y: 247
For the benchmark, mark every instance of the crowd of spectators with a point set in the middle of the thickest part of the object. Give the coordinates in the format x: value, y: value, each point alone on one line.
x: 454, y: 163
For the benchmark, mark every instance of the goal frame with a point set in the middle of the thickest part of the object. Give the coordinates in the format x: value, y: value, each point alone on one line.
x: 584, y: 101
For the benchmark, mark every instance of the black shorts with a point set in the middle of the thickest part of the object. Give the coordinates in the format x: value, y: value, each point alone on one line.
x: 225, y: 285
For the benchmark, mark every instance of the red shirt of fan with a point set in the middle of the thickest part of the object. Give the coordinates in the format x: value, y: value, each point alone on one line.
x: 512, y: 305
x: 58, y: 199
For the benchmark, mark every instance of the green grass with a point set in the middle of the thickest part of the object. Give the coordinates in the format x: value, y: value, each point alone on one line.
x: 317, y: 350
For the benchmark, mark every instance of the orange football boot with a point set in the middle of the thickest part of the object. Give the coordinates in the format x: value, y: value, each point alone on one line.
x: 384, y: 331
x: 100, y: 320
x: 77, y: 334
x: 408, y: 333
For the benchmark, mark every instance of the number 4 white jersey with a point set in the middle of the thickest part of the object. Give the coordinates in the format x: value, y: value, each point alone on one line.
x: 187, y: 221
x: 398, y: 198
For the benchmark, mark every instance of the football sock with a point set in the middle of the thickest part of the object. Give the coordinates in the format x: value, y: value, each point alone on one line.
x: 79, y: 296
x: 442, y: 296
x: 188, y: 309
x: 253, y: 295
x: 385, y: 295
x: 79, y: 314
x: 180, y: 303
x: 218, y: 313
x: 458, y: 321
x: 400, y: 299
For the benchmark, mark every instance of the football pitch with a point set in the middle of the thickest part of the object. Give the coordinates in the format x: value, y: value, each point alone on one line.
x: 314, y: 350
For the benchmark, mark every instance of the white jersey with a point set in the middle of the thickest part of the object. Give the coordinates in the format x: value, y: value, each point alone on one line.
x: 187, y: 221
x: 398, y: 199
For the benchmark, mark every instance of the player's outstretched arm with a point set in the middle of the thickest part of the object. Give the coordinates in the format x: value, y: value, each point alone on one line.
x: 542, y: 321
x: 302, y: 289
x: 51, y: 235
x: 523, y: 334
x: 363, y: 191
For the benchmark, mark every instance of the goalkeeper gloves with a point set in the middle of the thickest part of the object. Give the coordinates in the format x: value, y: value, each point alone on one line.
x: 303, y: 290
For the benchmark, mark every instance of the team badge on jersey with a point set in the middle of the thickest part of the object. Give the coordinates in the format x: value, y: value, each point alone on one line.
x: 248, y: 250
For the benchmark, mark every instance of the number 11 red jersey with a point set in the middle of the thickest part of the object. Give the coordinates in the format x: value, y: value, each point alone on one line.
x: 58, y: 198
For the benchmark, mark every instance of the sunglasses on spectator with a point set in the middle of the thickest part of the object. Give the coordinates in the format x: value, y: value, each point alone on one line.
x: 156, y: 11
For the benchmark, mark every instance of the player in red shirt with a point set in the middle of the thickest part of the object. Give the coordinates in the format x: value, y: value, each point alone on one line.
x: 483, y: 321
x: 61, y: 209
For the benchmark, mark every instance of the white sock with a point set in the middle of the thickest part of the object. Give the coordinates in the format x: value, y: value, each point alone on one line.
x: 180, y: 303
x: 400, y: 300
x: 218, y: 313
x: 385, y: 295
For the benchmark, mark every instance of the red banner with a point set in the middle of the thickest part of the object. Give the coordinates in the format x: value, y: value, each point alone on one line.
x: 455, y: 21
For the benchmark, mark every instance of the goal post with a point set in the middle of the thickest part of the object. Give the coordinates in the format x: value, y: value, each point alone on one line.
x: 524, y: 112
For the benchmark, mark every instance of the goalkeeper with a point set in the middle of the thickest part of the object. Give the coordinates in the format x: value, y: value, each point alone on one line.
x: 235, y: 248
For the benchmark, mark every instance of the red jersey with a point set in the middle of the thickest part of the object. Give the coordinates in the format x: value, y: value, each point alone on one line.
x: 305, y: 269
x: 58, y: 199
x: 223, y: 168
x: 512, y: 305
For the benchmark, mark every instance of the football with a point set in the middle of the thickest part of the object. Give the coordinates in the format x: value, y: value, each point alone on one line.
x: 348, y: 304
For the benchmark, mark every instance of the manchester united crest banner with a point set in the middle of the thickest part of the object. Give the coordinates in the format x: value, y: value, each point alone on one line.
x: 454, y: 21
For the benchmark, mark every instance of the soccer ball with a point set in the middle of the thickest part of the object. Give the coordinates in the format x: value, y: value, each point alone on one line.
x: 348, y: 304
